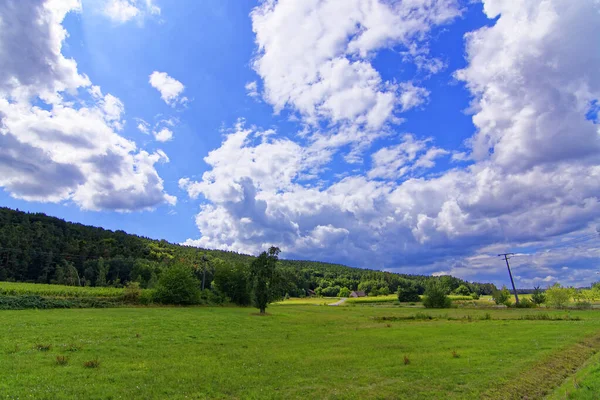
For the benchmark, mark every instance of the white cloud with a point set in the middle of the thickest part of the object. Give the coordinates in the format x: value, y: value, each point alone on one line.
x: 143, y: 126
x: 163, y: 135
x: 314, y: 57
x: 170, y: 89
x: 535, y: 155
x: 53, y: 150
x: 533, y: 78
x: 122, y: 11
x: 252, y: 89
x: 412, y: 96
x: 396, y: 161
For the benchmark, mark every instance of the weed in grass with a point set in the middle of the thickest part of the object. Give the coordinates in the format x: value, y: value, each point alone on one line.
x: 455, y: 354
x: 92, y: 364
x: 43, y: 347
x: 73, y: 347
x: 388, y: 325
x: 487, y: 316
x: 15, y: 350
x: 137, y: 335
x: 422, y: 315
x: 406, y: 360
x: 62, y: 360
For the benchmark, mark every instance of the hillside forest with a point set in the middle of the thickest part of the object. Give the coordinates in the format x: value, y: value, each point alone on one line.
x: 38, y: 248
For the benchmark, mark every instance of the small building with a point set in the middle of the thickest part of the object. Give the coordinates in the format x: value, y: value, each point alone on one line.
x: 358, y: 294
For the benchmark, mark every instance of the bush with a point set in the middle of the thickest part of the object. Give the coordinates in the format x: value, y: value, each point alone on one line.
x: 462, y: 290
x: 177, y: 285
x: 525, y: 303
x: 475, y: 296
x: 344, y: 292
x: 501, y: 296
x: 132, y: 292
x: 146, y: 297
x: 558, y: 296
x: 538, y: 296
x: 583, y: 305
x: 408, y: 293
x: 435, y: 296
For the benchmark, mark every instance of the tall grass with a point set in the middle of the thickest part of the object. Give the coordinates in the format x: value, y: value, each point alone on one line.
x: 27, y: 289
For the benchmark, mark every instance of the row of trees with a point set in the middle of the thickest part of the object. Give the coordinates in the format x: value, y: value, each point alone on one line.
x: 556, y: 296
x: 43, y: 249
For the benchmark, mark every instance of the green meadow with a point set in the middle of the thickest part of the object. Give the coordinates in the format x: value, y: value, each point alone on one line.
x: 296, y: 351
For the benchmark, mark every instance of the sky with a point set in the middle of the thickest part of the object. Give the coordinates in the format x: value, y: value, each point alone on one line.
x: 414, y: 136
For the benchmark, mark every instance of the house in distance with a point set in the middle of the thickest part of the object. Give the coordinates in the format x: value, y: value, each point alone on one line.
x: 358, y: 294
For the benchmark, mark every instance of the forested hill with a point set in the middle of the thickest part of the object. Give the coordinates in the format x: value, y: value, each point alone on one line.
x: 44, y: 249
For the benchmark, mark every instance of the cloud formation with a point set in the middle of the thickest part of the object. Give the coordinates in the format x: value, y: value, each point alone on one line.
x: 122, y: 11
x: 170, y: 88
x: 534, y: 151
x: 59, y: 134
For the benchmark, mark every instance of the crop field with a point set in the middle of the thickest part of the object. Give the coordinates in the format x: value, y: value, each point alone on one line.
x: 19, y: 289
x: 296, y: 351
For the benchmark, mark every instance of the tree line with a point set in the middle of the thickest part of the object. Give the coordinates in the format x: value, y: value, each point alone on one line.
x: 38, y: 248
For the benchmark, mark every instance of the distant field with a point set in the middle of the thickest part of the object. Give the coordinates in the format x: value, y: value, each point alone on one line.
x: 319, y: 301
x: 298, y: 351
x: 19, y: 289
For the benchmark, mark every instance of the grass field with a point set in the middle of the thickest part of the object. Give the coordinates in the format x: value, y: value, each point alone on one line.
x: 584, y: 385
x: 297, y: 351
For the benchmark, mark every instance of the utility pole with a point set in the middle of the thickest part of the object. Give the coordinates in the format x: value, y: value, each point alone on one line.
x: 506, y: 257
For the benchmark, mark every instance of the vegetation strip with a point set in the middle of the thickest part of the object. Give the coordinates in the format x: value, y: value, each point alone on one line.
x: 547, y: 374
x: 420, y: 316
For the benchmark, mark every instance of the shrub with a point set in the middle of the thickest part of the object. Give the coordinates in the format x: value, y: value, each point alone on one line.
x: 344, y: 292
x: 558, y: 296
x: 331, y: 291
x: 538, y: 296
x: 132, y: 292
x: 462, y: 290
x: 501, y: 296
x: 525, y: 303
x: 146, y: 296
x: 435, y: 296
x: 475, y: 296
x: 177, y: 285
x: 583, y: 305
x: 408, y: 293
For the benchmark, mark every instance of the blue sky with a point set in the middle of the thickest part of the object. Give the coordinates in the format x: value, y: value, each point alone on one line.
x: 421, y: 136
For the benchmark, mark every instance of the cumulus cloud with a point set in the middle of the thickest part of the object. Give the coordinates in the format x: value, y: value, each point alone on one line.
x: 170, y: 88
x: 163, y: 135
x: 122, y: 11
x: 533, y: 179
x: 54, y: 150
x: 327, y: 76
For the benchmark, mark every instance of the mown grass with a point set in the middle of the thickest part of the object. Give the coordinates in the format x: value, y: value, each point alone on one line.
x: 583, y: 385
x: 294, y: 352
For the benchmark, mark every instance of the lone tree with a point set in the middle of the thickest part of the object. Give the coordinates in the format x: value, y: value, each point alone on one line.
x: 264, y: 278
